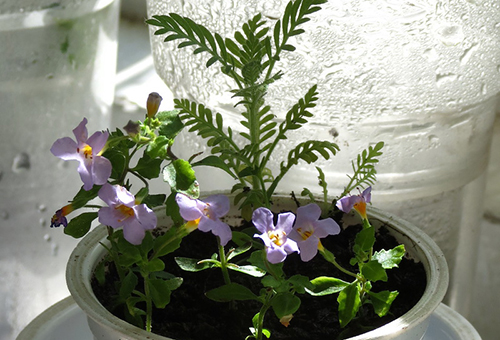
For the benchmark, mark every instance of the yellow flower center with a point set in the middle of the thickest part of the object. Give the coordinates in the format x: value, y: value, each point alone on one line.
x: 125, y: 211
x: 277, y: 237
x: 86, y: 151
x: 305, y: 234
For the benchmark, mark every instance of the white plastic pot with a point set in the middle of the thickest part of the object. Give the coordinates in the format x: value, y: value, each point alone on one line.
x: 410, y: 326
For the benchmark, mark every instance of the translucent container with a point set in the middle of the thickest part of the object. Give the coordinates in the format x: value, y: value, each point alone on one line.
x: 422, y: 76
x: 57, y: 65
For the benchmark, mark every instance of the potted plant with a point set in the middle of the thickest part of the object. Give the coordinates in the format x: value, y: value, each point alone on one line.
x: 275, y: 253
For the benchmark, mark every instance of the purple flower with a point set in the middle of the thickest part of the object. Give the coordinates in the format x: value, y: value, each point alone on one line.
x: 275, y: 238
x: 309, y: 229
x: 206, y: 214
x: 59, y: 218
x: 93, y: 168
x: 122, y: 211
x: 358, y: 202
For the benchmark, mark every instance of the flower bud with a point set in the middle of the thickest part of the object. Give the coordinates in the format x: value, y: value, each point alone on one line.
x: 132, y: 128
x: 153, y: 103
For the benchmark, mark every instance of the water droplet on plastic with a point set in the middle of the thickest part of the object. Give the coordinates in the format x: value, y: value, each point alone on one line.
x: 451, y: 35
x: 43, y: 222
x: 21, y: 163
x: 441, y: 79
x: 42, y: 207
x: 46, y: 237
x: 55, y: 249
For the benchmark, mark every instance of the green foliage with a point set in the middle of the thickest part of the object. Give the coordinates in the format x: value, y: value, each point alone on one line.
x: 80, y: 225
x: 364, y: 168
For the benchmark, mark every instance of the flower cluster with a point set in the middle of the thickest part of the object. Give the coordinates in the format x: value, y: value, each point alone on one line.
x: 123, y: 210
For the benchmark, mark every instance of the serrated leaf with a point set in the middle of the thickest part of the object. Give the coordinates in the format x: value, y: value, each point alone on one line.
x: 382, y: 301
x: 171, y: 124
x: 80, y: 225
x: 231, y: 292
x: 390, y: 258
x: 373, y: 271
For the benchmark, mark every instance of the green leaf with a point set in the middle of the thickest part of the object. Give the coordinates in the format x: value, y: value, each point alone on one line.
x: 171, y: 124
x: 324, y: 285
x: 172, y: 209
x: 181, y: 177
x: 128, y: 285
x: 285, y: 304
x: 382, y: 301
x: 215, y: 162
x: 349, y: 302
x: 247, y: 269
x: 160, y: 292
x: 300, y: 283
x: 231, y: 292
x: 155, y: 265
x: 118, y: 163
x: 373, y: 271
x: 148, y: 167
x: 193, y: 265
x: 158, y: 147
x: 365, y: 239
x: 80, y: 225
x: 168, y: 242
x: 84, y: 196
x: 153, y: 201
x: 390, y: 258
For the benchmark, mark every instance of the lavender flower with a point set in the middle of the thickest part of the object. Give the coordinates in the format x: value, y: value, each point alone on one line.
x: 309, y: 229
x: 206, y: 214
x: 275, y: 238
x: 358, y: 202
x: 122, y: 211
x: 93, y: 168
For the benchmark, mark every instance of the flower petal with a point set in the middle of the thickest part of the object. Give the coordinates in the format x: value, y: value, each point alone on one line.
x: 285, y: 222
x: 110, y: 217
x: 326, y: 227
x: 310, y: 212
x: 101, y: 170
x: 262, y: 219
x: 108, y: 194
x: 367, y: 194
x: 85, y: 171
x: 188, y: 208
x: 145, y: 216
x: 308, y: 248
x: 123, y: 196
x: 218, y: 205
x: 133, y: 231
x: 80, y: 132
x: 347, y: 202
x: 65, y: 148
x: 276, y: 255
x: 97, y: 141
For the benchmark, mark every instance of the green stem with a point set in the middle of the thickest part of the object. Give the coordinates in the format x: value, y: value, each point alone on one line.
x: 223, y: 263
x: 149, y: 303
x: 262, y: 314
x: 331, y: 258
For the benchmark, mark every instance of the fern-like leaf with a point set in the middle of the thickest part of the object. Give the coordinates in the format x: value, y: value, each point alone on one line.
x: 364, y: 172
x: 307, y: 151
x: 192, y: 34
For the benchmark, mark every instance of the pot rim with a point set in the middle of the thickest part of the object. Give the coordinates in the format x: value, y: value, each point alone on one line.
x: 89, y: 250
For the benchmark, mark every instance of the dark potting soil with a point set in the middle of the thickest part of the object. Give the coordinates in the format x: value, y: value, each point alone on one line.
x: 192, y: 316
